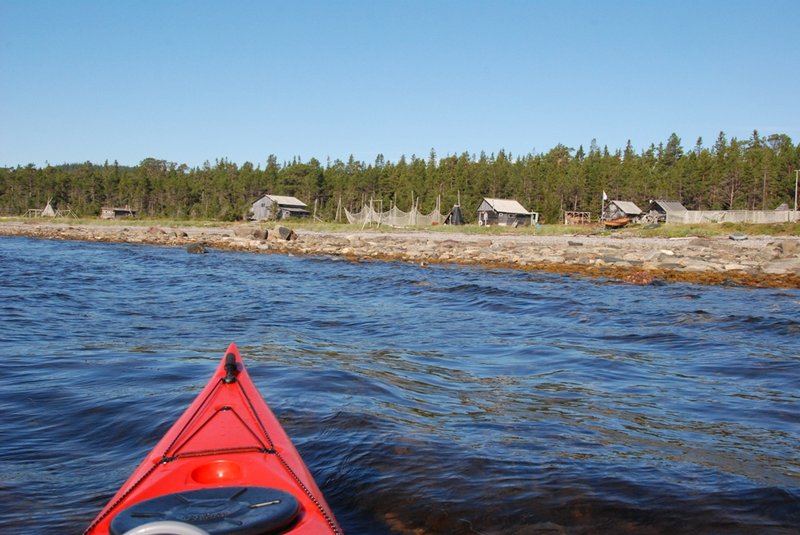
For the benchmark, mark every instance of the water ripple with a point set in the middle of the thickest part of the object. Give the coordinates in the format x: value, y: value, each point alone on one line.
x: 424, y: 400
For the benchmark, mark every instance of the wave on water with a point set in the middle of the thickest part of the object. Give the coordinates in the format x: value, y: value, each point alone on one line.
x: 425, y: 400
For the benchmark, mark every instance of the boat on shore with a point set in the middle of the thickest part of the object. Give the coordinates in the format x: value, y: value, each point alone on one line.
x: 226, y: 466
x: 616, y: 223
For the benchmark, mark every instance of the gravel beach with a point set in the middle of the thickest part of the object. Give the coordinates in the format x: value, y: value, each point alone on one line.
x: 760, y: 261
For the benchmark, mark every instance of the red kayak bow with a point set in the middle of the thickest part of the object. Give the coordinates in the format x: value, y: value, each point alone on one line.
x: 225, y: 467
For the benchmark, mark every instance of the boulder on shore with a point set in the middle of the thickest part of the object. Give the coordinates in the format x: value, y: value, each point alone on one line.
x: 283, y: 233
x: 256, y: 233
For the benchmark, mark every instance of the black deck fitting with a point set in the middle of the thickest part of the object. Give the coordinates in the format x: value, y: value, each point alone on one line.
x: 231, y: 369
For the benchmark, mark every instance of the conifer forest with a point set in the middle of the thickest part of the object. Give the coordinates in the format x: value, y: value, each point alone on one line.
x: 757, y: 173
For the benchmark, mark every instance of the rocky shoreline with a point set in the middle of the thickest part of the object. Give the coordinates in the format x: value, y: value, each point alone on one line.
x: 758, y: 261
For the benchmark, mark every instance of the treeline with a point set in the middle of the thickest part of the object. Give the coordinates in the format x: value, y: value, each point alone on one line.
x: 756, y: 173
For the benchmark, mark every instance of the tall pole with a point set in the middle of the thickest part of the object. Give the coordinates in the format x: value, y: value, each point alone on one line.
x: 603, y: 207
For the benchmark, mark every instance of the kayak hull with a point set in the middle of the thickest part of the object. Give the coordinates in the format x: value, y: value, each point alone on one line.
x: 227, y: 437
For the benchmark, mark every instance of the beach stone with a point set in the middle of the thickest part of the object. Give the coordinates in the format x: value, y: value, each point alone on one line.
x: 788, y: 248
x: 734, y: 267
x: 251, y: 232
x: 665, y: 259
x: 607, y: 259
x: 651, y: 256
x: 155, y: 231
x: 694, y: 264
x: 196, y: 248
x: 779, y: 267
x: 282, y: 233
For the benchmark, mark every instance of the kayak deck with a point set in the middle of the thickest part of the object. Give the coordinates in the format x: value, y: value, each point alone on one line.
x: 227, y: 439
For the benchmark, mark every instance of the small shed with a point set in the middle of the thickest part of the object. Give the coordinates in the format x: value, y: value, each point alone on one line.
x: 278, y: 207
x: 659, y: 211
x: 577, y: 218
x: 116, y: 213
x: 621, y: 209
x: 505, y: 212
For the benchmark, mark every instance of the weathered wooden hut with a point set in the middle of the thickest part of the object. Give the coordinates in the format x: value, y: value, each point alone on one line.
x: 116, y: 213
x: 659, y: 211
x: 278, y: 207
x: 615, y: 210
x: 505, y: 212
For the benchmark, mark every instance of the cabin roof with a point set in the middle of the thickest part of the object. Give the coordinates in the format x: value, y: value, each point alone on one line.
x: 628, y: 207
x: 284, y: 200
x: 669, y: 206
x: 123, y: 210
x: 506, y: 206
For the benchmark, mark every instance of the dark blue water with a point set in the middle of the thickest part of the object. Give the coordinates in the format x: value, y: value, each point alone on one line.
x: 424, y: 400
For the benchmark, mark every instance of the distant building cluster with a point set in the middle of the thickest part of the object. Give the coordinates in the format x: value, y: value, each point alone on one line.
x: 491, y: 211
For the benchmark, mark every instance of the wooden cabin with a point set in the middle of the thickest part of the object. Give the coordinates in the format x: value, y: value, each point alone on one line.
x: 659, y: 211
x: 618, y: 210
x: 116, y: 213
x: 505, y: 212
x: 278, y: 207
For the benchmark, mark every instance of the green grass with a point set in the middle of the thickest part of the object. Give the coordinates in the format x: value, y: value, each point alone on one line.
x: 722, y: 229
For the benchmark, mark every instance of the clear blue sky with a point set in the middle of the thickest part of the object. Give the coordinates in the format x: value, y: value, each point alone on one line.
x: 190, y: 81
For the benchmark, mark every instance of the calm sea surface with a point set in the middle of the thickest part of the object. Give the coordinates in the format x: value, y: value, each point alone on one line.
x: 447, y: 400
